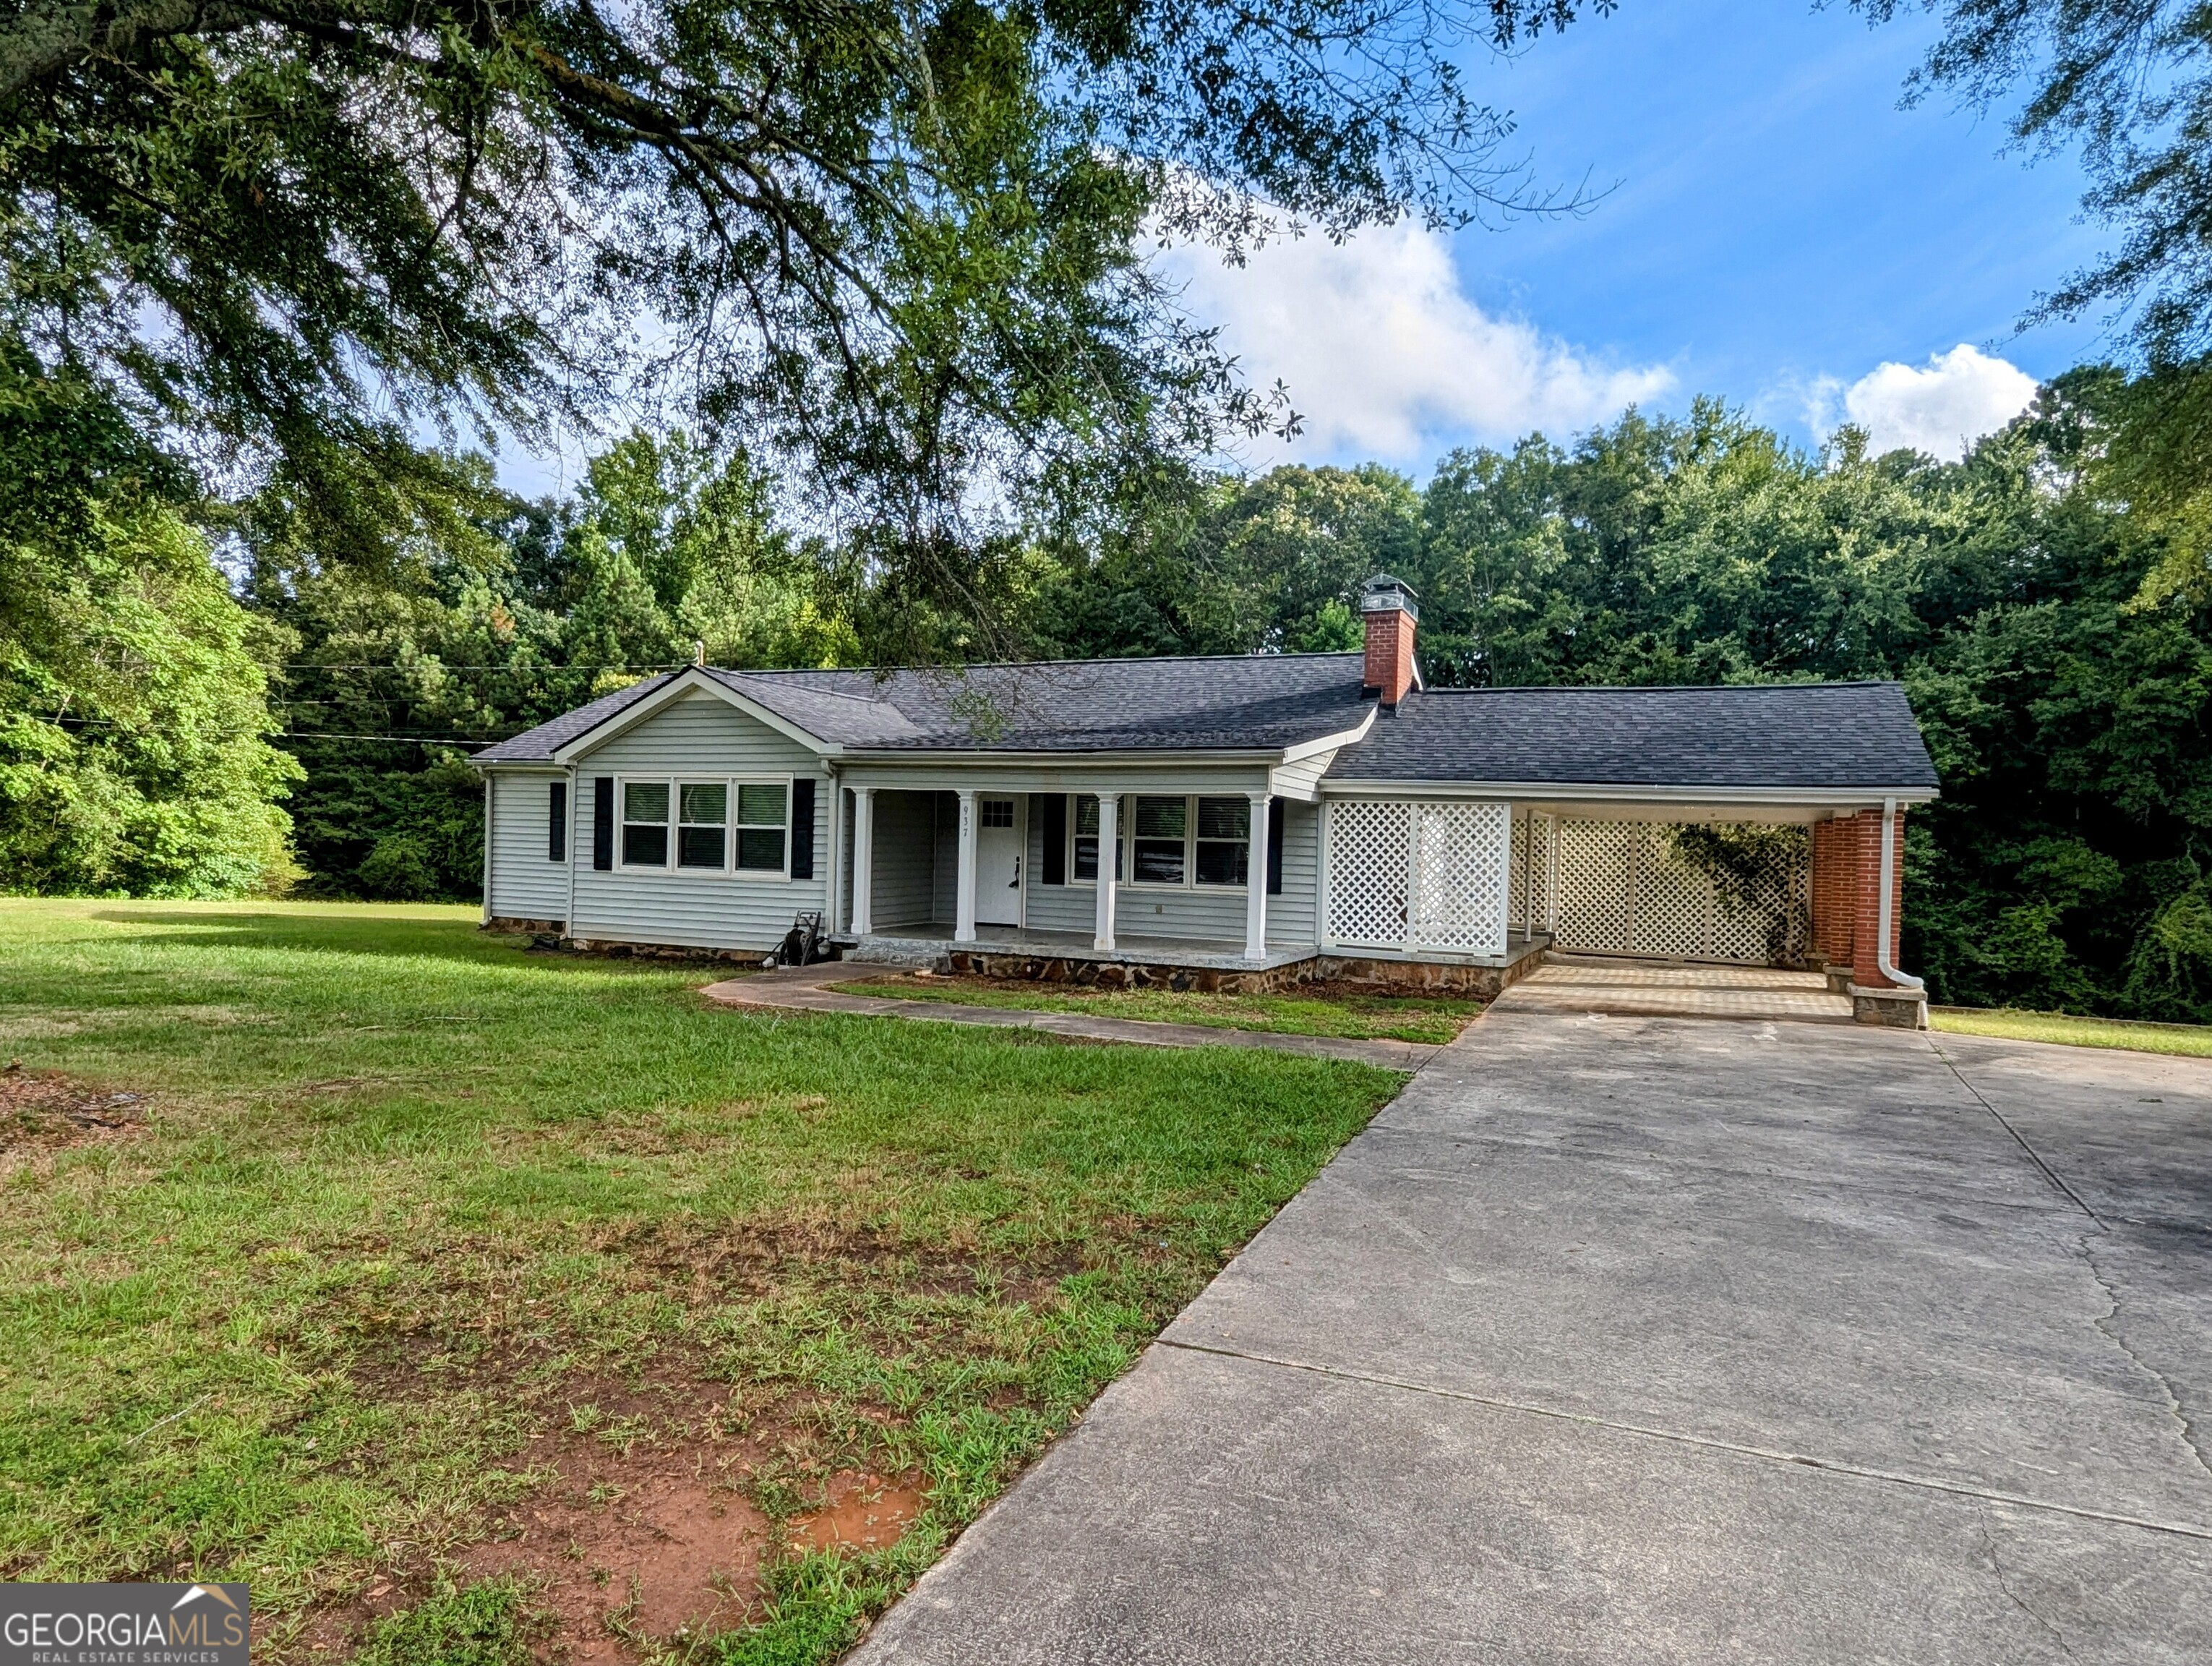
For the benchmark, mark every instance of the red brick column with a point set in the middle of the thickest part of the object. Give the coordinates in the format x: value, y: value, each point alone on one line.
x: 1868, y: 902
x: 1835, y: 887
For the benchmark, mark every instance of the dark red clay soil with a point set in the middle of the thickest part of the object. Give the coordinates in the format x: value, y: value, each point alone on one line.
x: 862, y: 1513
x: 677, y: 1551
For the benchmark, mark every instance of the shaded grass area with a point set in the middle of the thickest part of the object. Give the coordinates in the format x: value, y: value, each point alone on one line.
x: 2191, y: 1040
x: 412, y: 1212
x: 1328, y: 1011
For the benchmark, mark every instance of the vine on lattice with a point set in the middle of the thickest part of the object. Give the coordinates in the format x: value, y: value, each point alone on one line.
x: 1718, y: 892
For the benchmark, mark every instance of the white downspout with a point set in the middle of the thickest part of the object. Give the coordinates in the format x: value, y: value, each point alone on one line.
x: 1884, y: 910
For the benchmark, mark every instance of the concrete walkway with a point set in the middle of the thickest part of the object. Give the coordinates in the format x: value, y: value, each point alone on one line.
x: 801, y: 988
x: 1635, y: 1340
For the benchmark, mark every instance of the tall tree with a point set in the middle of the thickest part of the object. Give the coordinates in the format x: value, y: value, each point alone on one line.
x: 134, y: 757
x: 896, y: 242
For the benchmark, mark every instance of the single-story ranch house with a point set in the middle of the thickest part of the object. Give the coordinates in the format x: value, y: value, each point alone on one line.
x: 1255, y: 819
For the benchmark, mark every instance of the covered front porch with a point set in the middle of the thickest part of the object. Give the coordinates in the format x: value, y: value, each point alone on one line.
x: 1207, y: 868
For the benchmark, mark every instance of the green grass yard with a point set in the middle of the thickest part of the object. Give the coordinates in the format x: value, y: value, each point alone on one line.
x: 1328, y: 1013
x: 433, y: 1287
x: 2190, y: 1040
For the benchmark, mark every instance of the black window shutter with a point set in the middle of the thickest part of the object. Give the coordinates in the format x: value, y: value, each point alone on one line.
x: 1275, y: 847
x: 1055, y: 838
x: 603, y: 822
x: 802, y: 827
x: 557, y: 823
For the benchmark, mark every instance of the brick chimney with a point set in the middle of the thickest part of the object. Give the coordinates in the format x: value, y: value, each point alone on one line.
x: 1390, y: 610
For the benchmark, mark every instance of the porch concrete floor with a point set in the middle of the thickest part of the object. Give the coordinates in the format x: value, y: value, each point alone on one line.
x: 1589, y: 985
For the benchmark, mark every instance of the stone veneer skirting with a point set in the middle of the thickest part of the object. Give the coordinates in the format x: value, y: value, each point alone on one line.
x: 1397, y: 976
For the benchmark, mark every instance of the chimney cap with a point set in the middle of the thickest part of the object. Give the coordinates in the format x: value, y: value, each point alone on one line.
x: 1384, y: 594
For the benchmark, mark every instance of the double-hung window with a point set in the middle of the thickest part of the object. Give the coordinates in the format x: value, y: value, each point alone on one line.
x: 645, y: 823
x: 1162, y: 850
x: 1084, y: 867
x: 702, y: 824
x: 1223, y: 841
x: 764, y: 821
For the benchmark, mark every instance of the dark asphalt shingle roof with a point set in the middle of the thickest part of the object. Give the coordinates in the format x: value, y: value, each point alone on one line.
x: 1244, y: 702
x: 1839, y: 735
x: 1834, y: 735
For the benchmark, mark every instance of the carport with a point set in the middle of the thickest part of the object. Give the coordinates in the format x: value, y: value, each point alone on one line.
x: 1751, y: 827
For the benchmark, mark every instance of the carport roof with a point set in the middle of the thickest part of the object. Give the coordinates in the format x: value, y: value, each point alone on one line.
x: 1817, y: 735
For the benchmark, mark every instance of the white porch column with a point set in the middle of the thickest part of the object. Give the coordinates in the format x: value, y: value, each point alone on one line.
x: 963, y: 906
x: 1552, y: 878
x: 863, y: 860
x: 1110, y: 815
x: 1255, y: 881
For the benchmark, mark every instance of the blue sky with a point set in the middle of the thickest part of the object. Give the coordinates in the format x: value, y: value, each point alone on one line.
x: 1776, y: 228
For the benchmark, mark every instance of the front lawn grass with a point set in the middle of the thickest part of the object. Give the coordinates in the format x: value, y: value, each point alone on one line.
x: 1330, y: 1012
x: 2191, y: 1040
x: 419, y: 1239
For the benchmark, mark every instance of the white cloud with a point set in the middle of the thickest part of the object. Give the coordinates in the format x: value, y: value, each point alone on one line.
x: 1385, y: 356
x: 1942, y: 410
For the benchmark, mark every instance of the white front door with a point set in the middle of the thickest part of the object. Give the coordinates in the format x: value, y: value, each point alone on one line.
x: 997, y: 863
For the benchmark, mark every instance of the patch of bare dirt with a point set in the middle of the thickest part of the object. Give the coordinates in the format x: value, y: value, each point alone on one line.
x: 45, y: 1111
x: 860, y: 1512
x: 627, y: 1549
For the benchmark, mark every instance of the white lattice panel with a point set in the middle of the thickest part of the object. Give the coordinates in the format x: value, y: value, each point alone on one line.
x: 1674, y: 903
x: 1625, y: 890
x: 1460, y: 877
x: 1370, y: 867
x: 1596, y: 877
x: 1740, y: 934
x: 1516, y: 910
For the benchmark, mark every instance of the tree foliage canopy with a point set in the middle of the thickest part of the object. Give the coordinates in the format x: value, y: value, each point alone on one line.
x: 898, y: 243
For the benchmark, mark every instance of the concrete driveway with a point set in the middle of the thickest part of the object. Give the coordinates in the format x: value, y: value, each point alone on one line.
x: 1646, y: 1339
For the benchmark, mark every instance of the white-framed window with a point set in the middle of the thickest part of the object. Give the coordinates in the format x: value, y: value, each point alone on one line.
x: 996, y: 813
x: 1083, y: 841
x: 1221, y: 842
x: 702, y: 829
x: 1168, y: 842
x: 1161, y: 854
x: 715, y: 825
x: 645, y: 823
x: 765, y: 827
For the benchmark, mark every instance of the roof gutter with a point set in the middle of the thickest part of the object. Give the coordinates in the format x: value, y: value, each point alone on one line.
x: 1616, y: 792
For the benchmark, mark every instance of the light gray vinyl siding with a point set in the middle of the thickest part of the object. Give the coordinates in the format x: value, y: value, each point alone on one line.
x: 944, y: 869
x: 524, y: 886
x: 846, y: 812
x: 1290, y: 913
x: 905, y: 859
x: 1303, y: 777
x: 699, y: 735
x: 1054, y: 908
